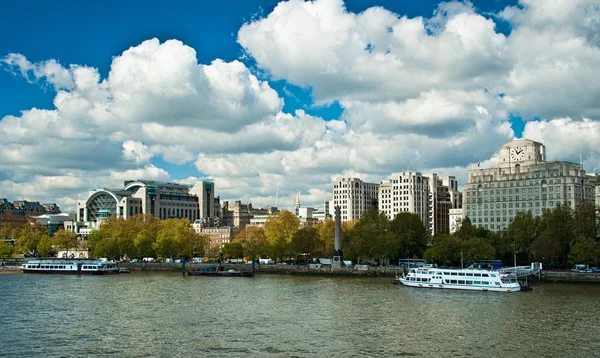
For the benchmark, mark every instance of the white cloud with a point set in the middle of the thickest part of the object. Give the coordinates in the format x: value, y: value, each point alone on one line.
x: 136, y: 151
x: 566, y: 139
x: 434, y: 91
x: 149, y: 172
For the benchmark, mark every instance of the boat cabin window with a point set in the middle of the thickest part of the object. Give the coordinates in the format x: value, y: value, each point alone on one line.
x: 453, y: 281
x: 469, y: 282
x: 484, y: 275
x: 454, y: 273
x: 477, y: 274
x: 461, y: 282
x: 469, y: 274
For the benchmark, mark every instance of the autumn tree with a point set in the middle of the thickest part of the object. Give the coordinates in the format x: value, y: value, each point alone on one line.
x: 65, y: 240
x: 279, y: 230
x: 233, y: 250
x: 148, y: 227
x: 168, y: 243
x: 6, y: 249
x: 351, y: 248
x: 254, y: 241
x: 28, y: 237
x: 326, y: 230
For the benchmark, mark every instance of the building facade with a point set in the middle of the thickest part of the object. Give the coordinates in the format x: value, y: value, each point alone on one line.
x: 17, y: 213
x: 217, y: 236
x: 522, y: 181
x: 354, y: 197
x: 160, y: 199
x: 406, y: 192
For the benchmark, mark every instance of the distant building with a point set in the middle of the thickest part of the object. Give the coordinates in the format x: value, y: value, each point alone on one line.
x: 354, y: 197
x: 322, y: 213
x: 160, y: 199
x: 17, y: 213
x: 522, y: 181
x: 218, y: 236
x: 406, y: 192
x: 55, y: 222
x: 455, y: 217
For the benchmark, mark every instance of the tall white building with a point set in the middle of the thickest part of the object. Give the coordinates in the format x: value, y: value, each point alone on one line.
x: 429, y: 196
x: 522, y: 181
x: 405, y: 192
x: 354, y: 197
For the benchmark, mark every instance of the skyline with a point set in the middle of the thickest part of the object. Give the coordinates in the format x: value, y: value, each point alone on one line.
x: 289, y: 95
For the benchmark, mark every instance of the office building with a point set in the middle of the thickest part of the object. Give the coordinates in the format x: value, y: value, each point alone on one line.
x: 354, y: 197
x: 523, y: 180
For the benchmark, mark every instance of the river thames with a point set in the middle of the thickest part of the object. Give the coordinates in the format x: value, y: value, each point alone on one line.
x: 167, y: 315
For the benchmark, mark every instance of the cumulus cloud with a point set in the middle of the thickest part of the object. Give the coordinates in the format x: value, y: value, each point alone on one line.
x: 434, y: 91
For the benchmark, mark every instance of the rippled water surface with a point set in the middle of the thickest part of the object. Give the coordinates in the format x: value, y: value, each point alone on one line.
x: 167, y: 315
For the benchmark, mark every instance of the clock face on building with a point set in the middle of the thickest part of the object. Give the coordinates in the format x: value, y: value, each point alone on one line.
x: 517, y: 154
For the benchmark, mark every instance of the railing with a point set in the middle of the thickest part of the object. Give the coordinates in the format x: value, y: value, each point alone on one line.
x: 522, y: 271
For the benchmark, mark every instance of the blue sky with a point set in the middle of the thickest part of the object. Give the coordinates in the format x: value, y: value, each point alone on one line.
x: 94, y: 33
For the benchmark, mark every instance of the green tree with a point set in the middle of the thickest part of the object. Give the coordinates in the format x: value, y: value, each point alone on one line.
x: 306, y: 241
x: 65, y: 240
x: 444, y: 250
x: 585, y: 221
x: 411, y: 234
x: 478, y: 249
x: 372, y: 237
x: 557, y: 224
x: 524, y: 230
x: 585, y: 251
x: 279, y: 230
x: 233, y: 250
x: 546, y: 251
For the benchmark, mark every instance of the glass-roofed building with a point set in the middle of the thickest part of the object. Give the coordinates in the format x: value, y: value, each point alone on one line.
x: 160, y: 199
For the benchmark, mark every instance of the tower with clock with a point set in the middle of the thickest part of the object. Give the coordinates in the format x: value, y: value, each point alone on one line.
x: 520, y: 153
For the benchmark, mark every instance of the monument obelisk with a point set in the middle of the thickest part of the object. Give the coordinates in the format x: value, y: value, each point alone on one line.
x: 337, y: 252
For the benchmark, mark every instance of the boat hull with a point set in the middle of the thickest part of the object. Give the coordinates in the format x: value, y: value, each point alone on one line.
x: 459, y: 287
x: 65, y: 272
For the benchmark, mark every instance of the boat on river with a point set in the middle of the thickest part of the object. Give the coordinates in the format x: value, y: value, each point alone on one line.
x: 460, y: 279
x: 218, y: 271
x: 74, y: 267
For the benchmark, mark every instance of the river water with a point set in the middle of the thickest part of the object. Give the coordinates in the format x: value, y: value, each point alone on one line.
x: 167, y: 315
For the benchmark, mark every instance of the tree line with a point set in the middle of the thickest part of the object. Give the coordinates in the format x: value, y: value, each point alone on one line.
x: 559, y: 237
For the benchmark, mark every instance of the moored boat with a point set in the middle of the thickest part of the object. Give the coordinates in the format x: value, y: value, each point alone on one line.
x: 218, y: 271
x: 74, y: 267
x: 460, y: 279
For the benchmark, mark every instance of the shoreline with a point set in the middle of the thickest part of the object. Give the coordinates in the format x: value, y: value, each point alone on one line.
x: 292, y: 270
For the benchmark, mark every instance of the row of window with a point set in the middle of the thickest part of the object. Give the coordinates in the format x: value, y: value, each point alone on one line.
x: 458, y: 282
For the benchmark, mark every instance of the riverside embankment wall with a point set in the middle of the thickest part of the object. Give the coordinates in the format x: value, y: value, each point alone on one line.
x: 568, y: 276
x: 271, y: 269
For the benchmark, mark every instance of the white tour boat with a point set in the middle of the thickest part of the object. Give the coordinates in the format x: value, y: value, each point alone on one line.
x: 76, y: 267
x: 460, y: 279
